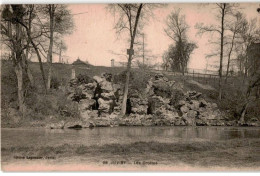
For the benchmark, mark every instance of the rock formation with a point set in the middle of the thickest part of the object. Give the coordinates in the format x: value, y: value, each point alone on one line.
x: 163, y: 102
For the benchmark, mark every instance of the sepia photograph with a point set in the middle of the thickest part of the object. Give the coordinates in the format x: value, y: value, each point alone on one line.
x: 130, y: 87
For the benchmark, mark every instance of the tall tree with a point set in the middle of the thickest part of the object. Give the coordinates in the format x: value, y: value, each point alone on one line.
x: 129, y: 18
x: 27, y: 24
x: 177, y: 56
x: 51, y: 11
x: 13, y: 36
x: 177, y: 30
x: 253, y: 55
x: 247, y: 35
x: 234, y: 27
x: 223, y: 10
x: 60, y: 23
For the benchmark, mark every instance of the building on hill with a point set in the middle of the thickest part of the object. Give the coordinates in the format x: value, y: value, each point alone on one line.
x: 80, y: 63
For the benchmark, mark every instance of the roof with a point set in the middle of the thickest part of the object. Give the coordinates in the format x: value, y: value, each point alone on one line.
x: 79, y: 62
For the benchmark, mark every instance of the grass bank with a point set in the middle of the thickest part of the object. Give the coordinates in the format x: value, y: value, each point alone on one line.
x: 235, y: 153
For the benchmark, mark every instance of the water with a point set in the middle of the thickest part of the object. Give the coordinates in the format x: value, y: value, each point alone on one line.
x: 39, y: 137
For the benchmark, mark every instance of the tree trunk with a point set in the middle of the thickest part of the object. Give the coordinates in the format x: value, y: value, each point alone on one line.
x: 254, y: 82
x: 28, y: 31
x: 39, y: 58
x: 49, y: 56
x: 243, y: 112
x: 246, y: 69
x: 123, y: 108
x: 27, y: 69
x: 20, y: 91
x: 221, y: 51
x: 229, y: 55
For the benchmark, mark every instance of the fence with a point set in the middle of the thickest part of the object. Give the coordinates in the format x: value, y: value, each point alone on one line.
x: 200, y: 75
x: 204, y: 78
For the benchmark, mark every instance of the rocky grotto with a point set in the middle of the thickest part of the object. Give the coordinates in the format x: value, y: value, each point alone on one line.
x: 161, y: 103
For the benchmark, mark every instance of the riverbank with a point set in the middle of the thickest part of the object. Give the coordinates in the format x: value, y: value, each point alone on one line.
x: 228, y: 154
x: 130, y: 121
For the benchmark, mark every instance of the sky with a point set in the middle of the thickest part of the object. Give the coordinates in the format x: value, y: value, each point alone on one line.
x: 94, y: 36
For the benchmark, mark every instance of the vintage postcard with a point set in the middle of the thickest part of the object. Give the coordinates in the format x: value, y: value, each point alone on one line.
x: 130, y: 87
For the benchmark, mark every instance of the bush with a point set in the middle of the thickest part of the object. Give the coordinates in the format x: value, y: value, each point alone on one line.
x: 84, y: 79
x: 55, y: 83
x: 177, y: 95
x: 78, y: 95
x: 138, y: 79
x: 66, y: 108
x: 121, y: 77
x: 45, y: 105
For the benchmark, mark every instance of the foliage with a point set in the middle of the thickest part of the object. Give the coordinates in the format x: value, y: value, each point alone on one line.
x: 138, y: 79
x: 84, y: 79
x: 78, y: 95
x: 55, y: 83
x: 176, y: 96
x: 121, y: 77
x: 178, y: 55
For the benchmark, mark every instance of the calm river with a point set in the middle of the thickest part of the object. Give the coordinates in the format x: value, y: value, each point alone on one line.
x: 38, y: 137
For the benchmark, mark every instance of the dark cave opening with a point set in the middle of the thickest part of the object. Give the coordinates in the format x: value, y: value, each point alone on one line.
x: 151, y: 107
x: 128, y: 107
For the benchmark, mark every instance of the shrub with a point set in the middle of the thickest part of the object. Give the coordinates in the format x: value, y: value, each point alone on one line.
x: 121, y: 77
x: 55, y: 83
x: 84, y: 79
x: 78, y: 95
x: 177, y: 95
x: 138, y: 79
x: 65, y: 107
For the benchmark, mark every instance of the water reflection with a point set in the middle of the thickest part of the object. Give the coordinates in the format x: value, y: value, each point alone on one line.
x: 100, y: 136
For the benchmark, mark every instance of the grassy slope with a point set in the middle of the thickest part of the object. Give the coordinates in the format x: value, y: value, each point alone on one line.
x: 39, y: 105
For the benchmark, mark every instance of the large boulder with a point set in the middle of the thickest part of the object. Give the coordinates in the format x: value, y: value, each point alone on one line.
x: 139, y: 105
x: 104, y: 105
x: 108, y: 96
x: 184, y: 109
x: 193, y: 95
x: 194, y: 105
x: 86, y: 104
x: 98, y: 79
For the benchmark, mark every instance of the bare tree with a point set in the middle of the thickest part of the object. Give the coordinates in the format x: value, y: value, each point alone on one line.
x: 28, y: 27
x: 177, y: 30
x: 223, y: 9
x: 13, y: 37
x: 234, y: 28
x: 248, y: 34
x: 60, y: 22
x: 129, y: 18
x: 253, y: 55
